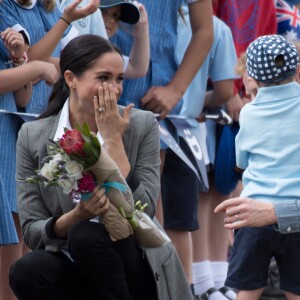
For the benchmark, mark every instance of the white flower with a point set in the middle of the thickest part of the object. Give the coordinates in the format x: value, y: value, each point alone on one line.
x: 67, y: 184
x: 74, y: 169
x: 56, y: 160
x: 58, y: 157
x: 46, y: 172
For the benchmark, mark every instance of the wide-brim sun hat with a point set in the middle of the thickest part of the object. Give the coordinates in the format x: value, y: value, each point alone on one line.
x: 129, y: 12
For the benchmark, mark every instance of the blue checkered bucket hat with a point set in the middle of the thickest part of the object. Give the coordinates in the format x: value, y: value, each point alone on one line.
x: 271, y: 59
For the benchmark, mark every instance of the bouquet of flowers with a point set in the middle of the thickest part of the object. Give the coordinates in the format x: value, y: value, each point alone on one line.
x: 77, y: 163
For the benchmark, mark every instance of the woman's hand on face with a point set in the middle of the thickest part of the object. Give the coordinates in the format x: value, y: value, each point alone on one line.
x: 110, y: 123
x: 73, y: 13
x: 97, y: 205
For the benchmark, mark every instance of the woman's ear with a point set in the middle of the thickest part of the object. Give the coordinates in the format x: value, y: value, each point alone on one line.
x: 70, y: 79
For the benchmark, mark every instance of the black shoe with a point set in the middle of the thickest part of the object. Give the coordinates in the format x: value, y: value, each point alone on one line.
x: 226, y: 289
x: 206, y: 294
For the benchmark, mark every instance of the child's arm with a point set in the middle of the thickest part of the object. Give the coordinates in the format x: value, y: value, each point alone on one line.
x: 221, y: 93
x: 163, y: 99
x: 140, y: 52
x: 15, y: 44
x: 43, y: 49
x: 18, y: 77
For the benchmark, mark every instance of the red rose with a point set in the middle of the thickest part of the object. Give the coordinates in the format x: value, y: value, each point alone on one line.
x: 72, y: 142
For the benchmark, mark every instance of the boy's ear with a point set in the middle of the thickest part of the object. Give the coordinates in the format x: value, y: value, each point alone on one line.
x: 69, y: 78
x: 253, y: 83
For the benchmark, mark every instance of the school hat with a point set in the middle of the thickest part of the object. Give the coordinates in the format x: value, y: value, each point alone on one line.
x: 271, y: 59
x: 129, y: 12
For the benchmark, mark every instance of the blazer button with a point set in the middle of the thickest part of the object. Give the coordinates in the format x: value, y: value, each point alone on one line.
x: 156, y: 276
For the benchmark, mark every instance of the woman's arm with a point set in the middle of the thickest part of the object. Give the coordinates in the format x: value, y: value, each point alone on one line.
x: 46, y: 214
x: 137, y: 131
x: 144, y: 178
x: 84, y: 210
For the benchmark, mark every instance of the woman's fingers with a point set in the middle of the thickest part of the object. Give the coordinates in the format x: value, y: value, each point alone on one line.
x: 101, y: 102
x: 113, y: 98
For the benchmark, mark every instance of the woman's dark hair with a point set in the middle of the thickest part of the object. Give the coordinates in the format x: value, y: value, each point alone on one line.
x: 78, y: 56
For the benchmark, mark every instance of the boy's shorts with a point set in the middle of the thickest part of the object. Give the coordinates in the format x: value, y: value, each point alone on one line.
x: 251, y: 254
x: 180, y: 189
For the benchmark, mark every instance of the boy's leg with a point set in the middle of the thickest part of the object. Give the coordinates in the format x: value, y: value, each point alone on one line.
x: 180, y: 190
x: 250, y: 259
x: 291, y: 296
x: 287, y: 256
x: 249, y: 295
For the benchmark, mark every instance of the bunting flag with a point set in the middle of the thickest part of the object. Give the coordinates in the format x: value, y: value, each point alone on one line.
x: 167, y: 138
x: 26, y: 117
x: 196, y: 140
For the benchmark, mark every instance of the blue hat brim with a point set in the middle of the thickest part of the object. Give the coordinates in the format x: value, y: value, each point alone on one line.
x: 130, y: 13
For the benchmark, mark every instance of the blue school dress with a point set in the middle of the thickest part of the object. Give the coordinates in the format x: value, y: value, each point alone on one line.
x: 37, y: 23
x: 9, y: 126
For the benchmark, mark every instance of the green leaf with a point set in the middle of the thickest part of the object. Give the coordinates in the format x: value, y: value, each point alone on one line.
x: 95, y: 141
x: 86, y: 130
x: 96, y: 151
x: 77, y: 126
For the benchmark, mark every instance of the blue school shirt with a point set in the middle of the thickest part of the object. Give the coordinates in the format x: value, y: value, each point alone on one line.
x: 268, y: 144
x: 162, y: 16
x: 37, y: 22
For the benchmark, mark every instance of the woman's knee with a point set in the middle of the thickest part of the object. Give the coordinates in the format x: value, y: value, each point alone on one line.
x: 85, y: 235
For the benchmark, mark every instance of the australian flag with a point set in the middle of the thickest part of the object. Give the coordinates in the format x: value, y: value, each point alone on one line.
x: 288, y: 20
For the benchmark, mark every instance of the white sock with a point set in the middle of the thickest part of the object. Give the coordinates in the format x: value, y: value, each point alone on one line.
x: 219, y: 270
x: 203, y: 280
x: 202, y: 277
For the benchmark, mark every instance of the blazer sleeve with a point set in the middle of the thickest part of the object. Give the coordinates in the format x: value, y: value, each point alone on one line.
x: 144, y: 178
x: 33, y: 210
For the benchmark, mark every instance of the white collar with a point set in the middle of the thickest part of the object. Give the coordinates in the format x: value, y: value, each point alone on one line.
x: 64, y: 122
x: 33, y: 2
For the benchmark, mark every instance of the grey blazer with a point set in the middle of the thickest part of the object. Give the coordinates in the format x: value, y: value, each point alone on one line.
x: 38, y: 204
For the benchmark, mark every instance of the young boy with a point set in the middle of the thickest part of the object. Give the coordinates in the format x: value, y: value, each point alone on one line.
x: 267, y: 147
